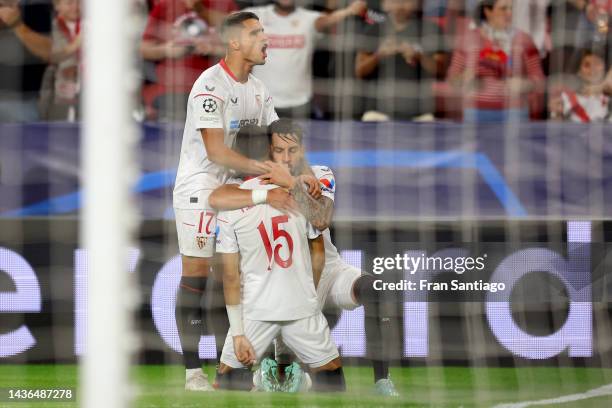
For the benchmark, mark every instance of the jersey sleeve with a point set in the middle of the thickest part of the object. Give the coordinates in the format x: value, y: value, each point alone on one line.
x: 312, y: 232
x: 208, y: 103
x: 326, y: 181
x: 234, y: 180
x: 227, y: 242
x: 269, y: 114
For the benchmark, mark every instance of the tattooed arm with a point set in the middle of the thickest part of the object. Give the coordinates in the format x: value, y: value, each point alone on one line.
x: 317, y: 211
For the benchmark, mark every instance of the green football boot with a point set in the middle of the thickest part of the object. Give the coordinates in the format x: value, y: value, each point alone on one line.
x: 266, y: 376
x: 385, y: 387
x: 296, y: 380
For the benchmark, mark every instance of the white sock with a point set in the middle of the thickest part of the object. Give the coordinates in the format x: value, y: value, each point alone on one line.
x: 190, y: 372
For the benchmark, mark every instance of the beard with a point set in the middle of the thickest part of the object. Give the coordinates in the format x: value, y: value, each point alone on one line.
x: 298, y: 169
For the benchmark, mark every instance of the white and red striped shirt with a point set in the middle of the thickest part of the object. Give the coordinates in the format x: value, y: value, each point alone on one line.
x: 493, y: 67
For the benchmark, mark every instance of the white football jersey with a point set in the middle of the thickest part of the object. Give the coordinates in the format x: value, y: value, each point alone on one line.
x: 217, y: 101
x: 291, y: 42
x: 328, y: 189
x: 275, y: 264
x: 327, y: 183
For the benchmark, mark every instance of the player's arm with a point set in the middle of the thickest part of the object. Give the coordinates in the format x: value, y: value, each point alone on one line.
x: 317, y: 255
x: 318, y: 211
x: 356, y: 8
x: 227, y: 246
x: 231, y: 197
x: 231, y: 290
x: 222, y: 155
x: 231, y: 282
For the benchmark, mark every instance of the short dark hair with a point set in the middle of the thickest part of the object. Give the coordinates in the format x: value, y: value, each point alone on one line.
x: 581, y: 54
x: 595, y: 51
x: 287, y: 127
x: 480, y: 15
x: 253, y: 142
x: 234, y: 20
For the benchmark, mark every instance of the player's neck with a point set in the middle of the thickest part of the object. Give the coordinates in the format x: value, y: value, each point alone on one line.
x: 238, y: 67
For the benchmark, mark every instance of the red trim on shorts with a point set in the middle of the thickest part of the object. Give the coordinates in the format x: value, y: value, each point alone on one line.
x: 226, y: 69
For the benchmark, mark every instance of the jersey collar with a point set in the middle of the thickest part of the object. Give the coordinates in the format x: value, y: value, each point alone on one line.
x: 226, y: 69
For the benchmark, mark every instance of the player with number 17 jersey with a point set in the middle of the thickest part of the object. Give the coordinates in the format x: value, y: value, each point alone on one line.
x: 217, y: 101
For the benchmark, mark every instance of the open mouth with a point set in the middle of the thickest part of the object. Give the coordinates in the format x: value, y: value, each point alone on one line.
x: 263, y: 51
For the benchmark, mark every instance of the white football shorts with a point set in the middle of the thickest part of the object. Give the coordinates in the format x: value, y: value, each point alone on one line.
x: 309, y: 338
x: 335, y: 288
x: 196, y: 231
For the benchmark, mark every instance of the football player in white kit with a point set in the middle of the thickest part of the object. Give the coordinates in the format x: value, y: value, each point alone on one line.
x: 341, y: 286
x: 225, y: 97
x: 267, y: 255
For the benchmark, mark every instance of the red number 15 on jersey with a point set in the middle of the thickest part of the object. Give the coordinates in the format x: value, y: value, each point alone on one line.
x: 277, y: 233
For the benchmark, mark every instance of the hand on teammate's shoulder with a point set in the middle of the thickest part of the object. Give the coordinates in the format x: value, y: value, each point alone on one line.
x: 314, y: 189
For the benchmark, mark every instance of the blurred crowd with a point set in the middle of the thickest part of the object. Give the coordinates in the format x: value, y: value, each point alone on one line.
x: 375, y: 60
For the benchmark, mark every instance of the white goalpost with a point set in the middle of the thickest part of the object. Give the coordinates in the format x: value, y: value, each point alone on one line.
x: 109, y: 136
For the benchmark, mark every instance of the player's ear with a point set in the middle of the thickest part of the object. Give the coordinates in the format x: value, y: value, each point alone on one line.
x: 233, y: 43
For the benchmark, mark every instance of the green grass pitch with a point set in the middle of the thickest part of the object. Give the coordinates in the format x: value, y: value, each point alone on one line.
x: 161, y: 386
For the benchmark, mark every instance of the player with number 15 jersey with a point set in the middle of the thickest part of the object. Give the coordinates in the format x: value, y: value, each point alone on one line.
x: 278, y: 292
x: 277, y: 278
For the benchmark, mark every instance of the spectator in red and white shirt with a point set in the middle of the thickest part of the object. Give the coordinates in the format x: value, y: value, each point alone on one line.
x: 498, y: 68
x: 181, y: 40
x: 585, y: 101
